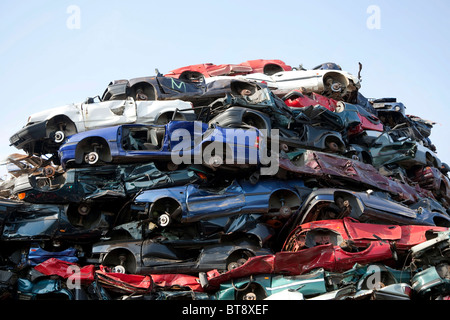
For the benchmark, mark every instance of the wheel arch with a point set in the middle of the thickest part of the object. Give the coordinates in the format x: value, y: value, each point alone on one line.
x: 291, y: 193
x: 272, y: 68
x: 85, y: 145
x: 330, y: 138
x: 52, y: 124
x: 148, y: 89
x: 154, y: 206
x: 112, y: 257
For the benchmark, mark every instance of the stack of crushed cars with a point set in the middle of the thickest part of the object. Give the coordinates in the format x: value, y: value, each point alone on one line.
x: 354, y: 203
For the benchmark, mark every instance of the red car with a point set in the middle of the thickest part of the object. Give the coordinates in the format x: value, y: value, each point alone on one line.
x: 268, y: 67
x: 296, y: 99
x: 328, y: 256
x: 367, y: 120
x: 352, y: 232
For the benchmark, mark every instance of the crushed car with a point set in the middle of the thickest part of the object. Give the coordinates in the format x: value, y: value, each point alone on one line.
x: 45, y: 131
x: 187, y: 141
x: 160, y: 189
x: 331, y: 83
x: 275, y: 199
x: 193, y: 89
x: 266, y: 66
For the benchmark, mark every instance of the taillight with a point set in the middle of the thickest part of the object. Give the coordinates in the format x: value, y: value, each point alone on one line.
x: 257, y: 142
x: 202, y: 176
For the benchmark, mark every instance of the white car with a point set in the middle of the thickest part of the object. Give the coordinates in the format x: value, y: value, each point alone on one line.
x: 326, y: 82
x: 46, y: 130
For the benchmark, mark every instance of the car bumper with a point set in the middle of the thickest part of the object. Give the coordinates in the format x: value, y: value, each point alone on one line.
x: 27, y: 135
x: 67, y: 153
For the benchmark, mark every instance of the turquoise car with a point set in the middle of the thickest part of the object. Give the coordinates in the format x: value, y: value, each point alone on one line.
x: 433, y: 281
x: 261, y: 286
x: 356, y: 282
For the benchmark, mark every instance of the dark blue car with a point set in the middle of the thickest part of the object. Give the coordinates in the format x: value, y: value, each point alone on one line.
x: 276, y: 199
x: 178, y: 142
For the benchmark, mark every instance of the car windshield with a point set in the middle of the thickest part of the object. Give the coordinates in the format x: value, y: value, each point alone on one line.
x: 383, y: 139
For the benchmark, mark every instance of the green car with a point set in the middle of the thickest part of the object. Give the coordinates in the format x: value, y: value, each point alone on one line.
x: 433, y: 281
x: 259, y: 287
x: 353, y: 283
x: 407, y: 153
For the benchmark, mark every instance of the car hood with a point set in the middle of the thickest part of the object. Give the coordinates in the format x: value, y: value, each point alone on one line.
x: 49, y: 113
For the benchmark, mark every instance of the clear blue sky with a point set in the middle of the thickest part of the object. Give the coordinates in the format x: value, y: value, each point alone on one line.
x: 45, y: 64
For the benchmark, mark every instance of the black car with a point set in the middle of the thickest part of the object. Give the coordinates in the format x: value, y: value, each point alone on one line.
x: 159, y: 87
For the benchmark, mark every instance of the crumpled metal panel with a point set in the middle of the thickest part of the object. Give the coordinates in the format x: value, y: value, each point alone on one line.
x: 54, y: 266
x: 329, y: 257
x: 343, y: 171
x: 404, y: 236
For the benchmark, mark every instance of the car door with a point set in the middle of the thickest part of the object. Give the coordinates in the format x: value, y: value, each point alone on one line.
x: 207, y: 202
x: 175, y: 87
x: 288, y: 80
x: 109, y: 113
x: 384, y: 150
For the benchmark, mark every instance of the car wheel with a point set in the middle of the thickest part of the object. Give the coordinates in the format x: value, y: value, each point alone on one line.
x: 120, y: 261
x: 91, y: 158
x: 285, y: 212
x: 284, y: 147
x: 164, y: 220
x: 340, y: 107
x: 172, y: 166
x: 215, y: 161
x: 237, y: 259
x: 83, y: 210
x: 119, y: 269
x: 332, y: 146
x: 49, y: 171
x: 252, y: 291
x: 165, y: 212
x: 59, y: 136
x: 282, y: 203
x: 216, y: 155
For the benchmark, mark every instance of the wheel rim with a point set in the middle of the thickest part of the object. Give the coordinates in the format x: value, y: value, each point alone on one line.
x: 249, y: 296
x: 118, y: 269
x: 232, y: 265
x: 285, y: 212
x: 59, y: 136
x: 172, y: 166
x: 91, y: 157
x: 164, y: 220
x: 215, y: 161
x: 333, y: 146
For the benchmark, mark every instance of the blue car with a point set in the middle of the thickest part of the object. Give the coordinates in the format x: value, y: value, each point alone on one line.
x: 178, y: 142
x: 276, y: 199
